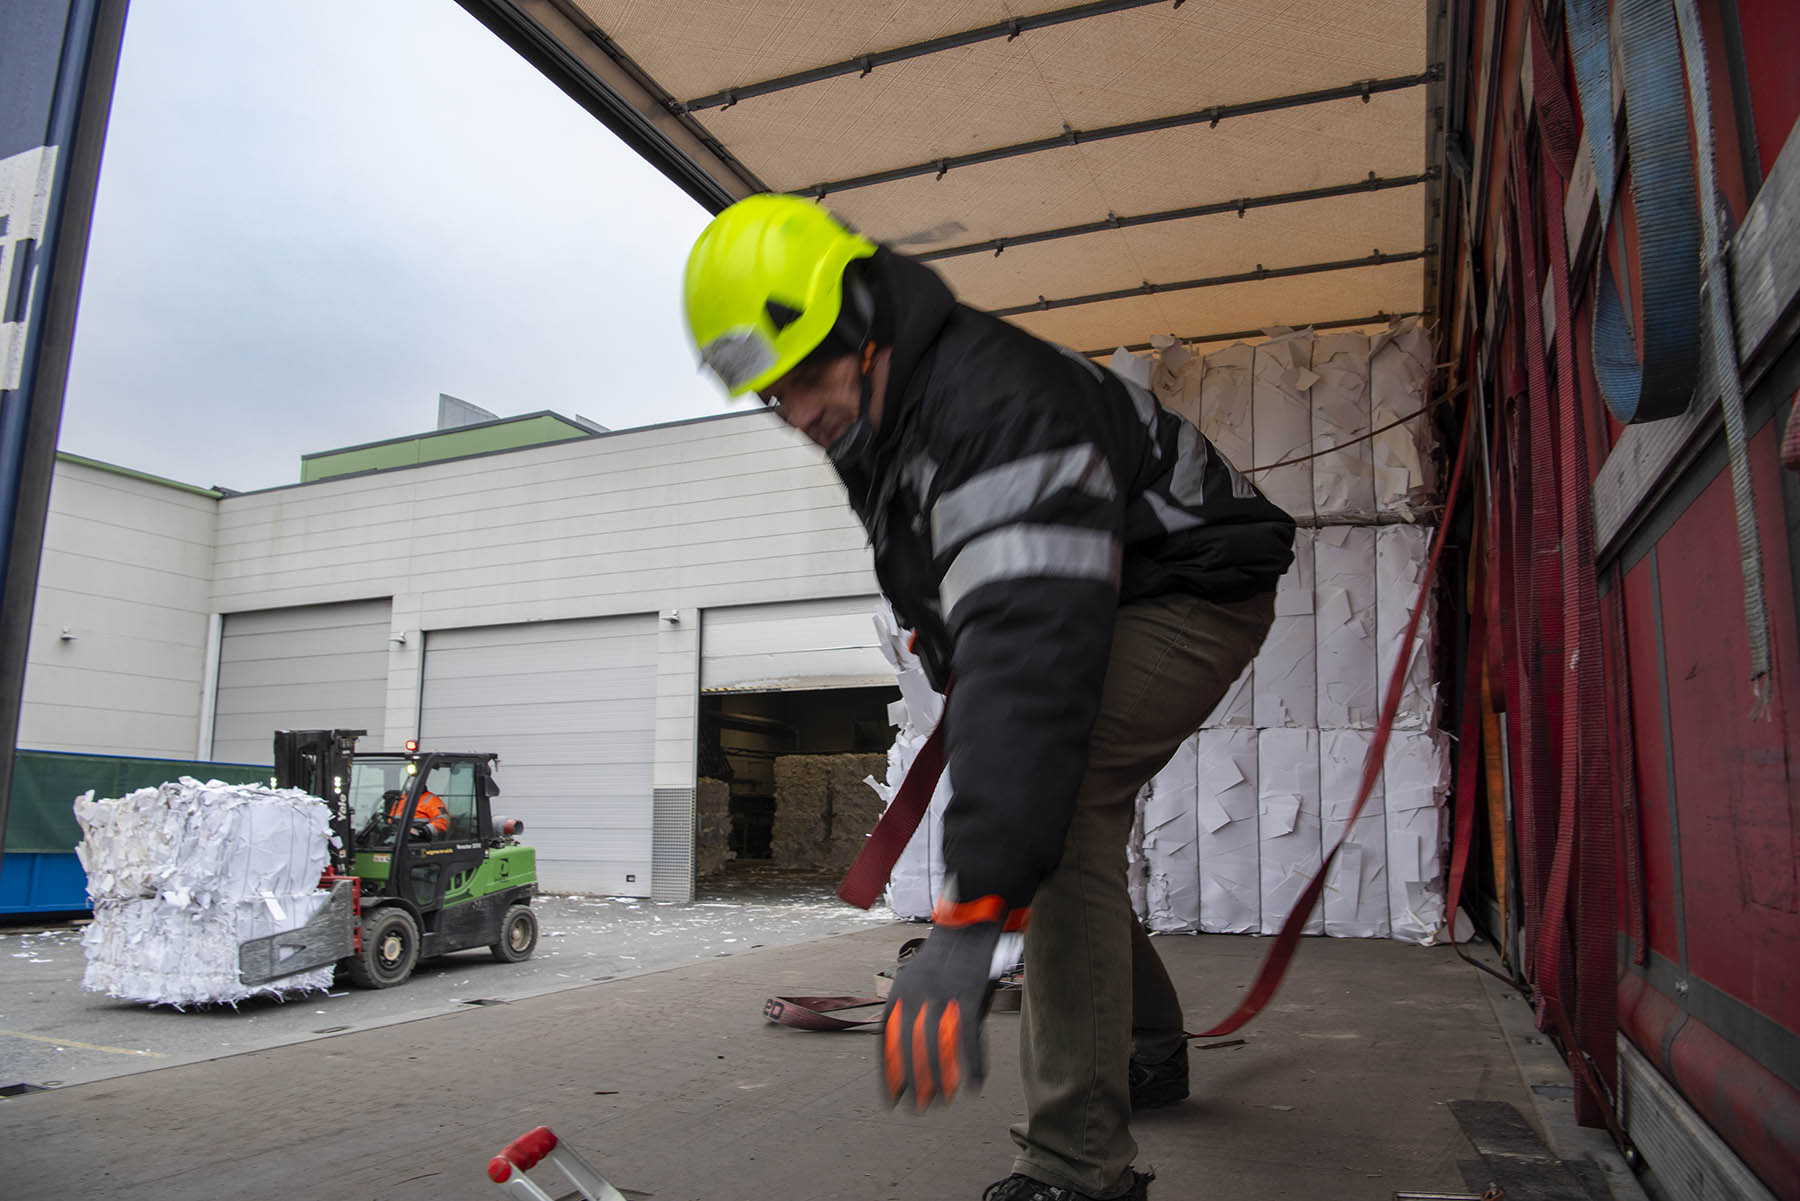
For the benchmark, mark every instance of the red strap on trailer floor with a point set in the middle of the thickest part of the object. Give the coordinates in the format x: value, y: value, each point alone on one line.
x: 869, y: 872
x: 814, y: 1013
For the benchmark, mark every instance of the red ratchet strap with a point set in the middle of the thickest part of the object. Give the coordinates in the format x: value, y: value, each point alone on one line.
x: 1571, y: 695
x: 814, y: 1013
x: 1268, y: 978
x: 869, y: 873
x: 1586, y: 801
x: 1468, y: 763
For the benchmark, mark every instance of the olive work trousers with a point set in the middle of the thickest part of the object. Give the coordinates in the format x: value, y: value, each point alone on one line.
x: 1096, y: 993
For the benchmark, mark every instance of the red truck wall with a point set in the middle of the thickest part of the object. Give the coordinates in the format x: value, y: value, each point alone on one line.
x: 1708, y: 857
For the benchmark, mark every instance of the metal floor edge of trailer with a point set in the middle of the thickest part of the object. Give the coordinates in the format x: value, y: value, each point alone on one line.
x: 1380, y: 1069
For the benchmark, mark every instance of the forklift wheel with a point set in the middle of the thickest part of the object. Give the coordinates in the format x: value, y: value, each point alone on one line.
x: 390, y: 949
x: 518, y: 934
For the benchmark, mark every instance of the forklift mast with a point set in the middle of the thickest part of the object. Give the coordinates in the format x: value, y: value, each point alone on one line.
x: 318, y: 762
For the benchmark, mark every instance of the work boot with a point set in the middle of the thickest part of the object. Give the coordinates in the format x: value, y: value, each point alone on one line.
x: 1158, y: 1084
x: 1018, y: 1187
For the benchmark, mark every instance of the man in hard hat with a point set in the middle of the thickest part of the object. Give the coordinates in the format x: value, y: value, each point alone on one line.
x: 430, y: 810
x: 1086, y: 576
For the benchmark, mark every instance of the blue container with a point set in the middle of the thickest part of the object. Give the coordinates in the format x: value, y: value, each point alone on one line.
x: 33, y: 882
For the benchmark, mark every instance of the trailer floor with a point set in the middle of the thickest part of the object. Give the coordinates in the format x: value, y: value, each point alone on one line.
x: 675, y: 1087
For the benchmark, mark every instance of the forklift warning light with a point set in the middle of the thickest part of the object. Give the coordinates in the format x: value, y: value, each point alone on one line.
x: 412, y: 745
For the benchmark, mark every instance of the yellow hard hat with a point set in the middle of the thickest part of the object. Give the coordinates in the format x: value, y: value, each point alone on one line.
x: 764, y: 286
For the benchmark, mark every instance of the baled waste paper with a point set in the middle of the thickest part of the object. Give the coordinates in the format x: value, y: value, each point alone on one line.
x: 180, y: 875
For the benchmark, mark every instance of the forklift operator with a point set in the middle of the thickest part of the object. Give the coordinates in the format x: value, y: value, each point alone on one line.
x: 430, y: 810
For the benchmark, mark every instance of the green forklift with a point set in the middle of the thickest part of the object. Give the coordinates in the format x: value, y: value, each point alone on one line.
x: 420, y: 865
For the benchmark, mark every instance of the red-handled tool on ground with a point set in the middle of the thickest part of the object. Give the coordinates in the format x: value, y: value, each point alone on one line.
x: 508, y: 1169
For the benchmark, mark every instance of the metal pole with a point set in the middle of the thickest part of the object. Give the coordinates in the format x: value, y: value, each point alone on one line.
x: 58, y: 59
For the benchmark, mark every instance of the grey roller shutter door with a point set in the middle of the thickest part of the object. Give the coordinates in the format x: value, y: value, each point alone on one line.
x: 570, y: 707
x: 304, y: 668
x: 792, y: 645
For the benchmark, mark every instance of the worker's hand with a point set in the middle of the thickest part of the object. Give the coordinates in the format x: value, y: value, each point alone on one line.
x: 931, y: 1030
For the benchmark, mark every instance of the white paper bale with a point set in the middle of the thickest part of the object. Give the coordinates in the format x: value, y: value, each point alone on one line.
x: 203, y: 843
x: 1284, y: 674
x: 152, y: 952
x: 1343, y: 481
x: 1288, y: 813
x: 1282, y: 421
x: 1401, y: 555
x: 916, y: 882
x: 1355, y: 899
x: 1137, y: 863
x: 1345, y: 620
x: 1400, y: 361
x: 1225, y: 834
x: 923, y: 705
x: 1171, y: 836
x: 1226, y: 391
x: 182, y: 874
x: 1416, y: 781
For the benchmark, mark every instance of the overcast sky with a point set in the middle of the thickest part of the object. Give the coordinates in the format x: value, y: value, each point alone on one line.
x: 316, y: 215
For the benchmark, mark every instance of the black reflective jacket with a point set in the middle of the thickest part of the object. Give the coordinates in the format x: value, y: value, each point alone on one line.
x: 1016, y: 494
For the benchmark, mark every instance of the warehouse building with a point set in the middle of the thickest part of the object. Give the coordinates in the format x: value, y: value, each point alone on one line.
x: 593, y: 606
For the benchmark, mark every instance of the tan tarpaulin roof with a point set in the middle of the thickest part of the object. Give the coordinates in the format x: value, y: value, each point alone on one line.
x: 667, y: 63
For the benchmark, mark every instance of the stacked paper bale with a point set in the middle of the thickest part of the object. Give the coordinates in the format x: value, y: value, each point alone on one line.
x: 802, y: 812
x: 1242, y: 816
x: 855, y: 806
x: 1231, y: 830
x: 182, y: 874
x: 712, y: 832
x: 825, y: 807
x: 918, y: 876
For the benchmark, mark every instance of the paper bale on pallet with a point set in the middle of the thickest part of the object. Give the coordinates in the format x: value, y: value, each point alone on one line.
x: 1171, y: 844
x: 1402, y: 553
x: 1355, y: 899
x: 1281, y: 420
x: 1284, y: 678
x: 1417, y: 780
x: 1343, y: 481
x: 1400, y: 361
x: 181, y: 874
x: 1225, y: 831
x: 1288, y: 814
x: 1345, y: 621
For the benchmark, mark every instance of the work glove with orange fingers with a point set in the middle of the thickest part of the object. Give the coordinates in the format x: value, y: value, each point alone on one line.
x: 931, y: 1029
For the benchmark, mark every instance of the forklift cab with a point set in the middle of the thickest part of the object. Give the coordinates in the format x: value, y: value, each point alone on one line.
x: 399, y: 852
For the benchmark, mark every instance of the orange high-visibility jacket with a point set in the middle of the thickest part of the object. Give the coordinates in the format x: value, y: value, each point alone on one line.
x: 430, y: 810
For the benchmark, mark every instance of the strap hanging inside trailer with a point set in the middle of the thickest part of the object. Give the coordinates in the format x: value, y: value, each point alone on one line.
x: 1274, y: 968
x: 1661, y: 384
